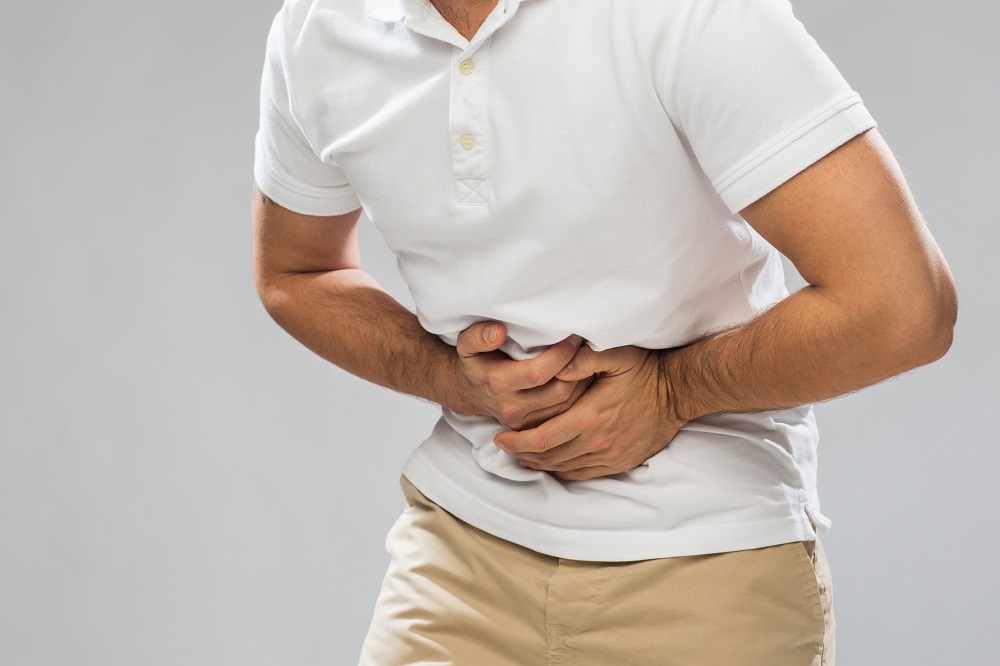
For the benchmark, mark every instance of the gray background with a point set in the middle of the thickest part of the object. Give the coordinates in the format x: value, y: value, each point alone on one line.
x: 182, y: 483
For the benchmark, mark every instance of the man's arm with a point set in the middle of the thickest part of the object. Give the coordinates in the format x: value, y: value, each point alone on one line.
x: 307, y: 272
x: 880, y: 301
x: 308, y: 276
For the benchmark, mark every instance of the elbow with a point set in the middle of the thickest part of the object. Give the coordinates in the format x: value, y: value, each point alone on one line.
x: 936, y: 337
x: 926, y: 327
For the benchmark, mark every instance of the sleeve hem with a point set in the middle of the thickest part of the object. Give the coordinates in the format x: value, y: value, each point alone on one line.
x: 303, y: 200
x: 777, y: 163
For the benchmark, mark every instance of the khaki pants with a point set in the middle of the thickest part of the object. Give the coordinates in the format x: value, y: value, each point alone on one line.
x: 456, y: 595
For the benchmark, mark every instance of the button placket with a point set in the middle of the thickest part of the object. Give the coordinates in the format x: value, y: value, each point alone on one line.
x: 468, y: 123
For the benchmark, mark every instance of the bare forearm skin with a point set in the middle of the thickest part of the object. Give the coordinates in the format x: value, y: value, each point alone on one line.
x: 806, y: 348
x: 347, y: 318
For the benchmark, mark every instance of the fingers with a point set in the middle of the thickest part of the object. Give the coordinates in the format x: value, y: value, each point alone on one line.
x: 587, y: 465
x: 574, y: 453
x: 487, y: 336
x: 551, y: 400
x: 585, y: 362
x: 566, y: 464
x: 476, y: 339
x: 540, y: 369
x: 557, y: 430
x: 584, y: 473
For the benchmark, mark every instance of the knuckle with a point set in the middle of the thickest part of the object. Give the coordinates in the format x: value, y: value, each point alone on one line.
x: 507, y: 412
x: 534, y: 376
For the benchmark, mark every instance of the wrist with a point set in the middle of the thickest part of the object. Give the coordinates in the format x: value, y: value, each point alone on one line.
x: 453, y: 385
x: 680, y: 398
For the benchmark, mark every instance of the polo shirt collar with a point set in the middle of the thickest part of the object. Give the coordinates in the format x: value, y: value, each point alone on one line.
x: 386, y: 11
x: 391, y: 11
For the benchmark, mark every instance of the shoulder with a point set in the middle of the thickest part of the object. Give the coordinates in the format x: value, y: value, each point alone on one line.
x: 309, y: 32
x: 299, y: 16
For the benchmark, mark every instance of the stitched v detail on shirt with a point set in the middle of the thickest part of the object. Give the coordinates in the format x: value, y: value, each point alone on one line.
x: 472, y: 190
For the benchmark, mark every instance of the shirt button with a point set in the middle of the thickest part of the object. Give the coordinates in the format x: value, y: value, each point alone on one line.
x: 467, y: 66
x: 468, y: 141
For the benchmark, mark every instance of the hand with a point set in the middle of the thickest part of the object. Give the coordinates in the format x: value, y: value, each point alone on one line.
x: 519, y: 394
x: 623, y: 419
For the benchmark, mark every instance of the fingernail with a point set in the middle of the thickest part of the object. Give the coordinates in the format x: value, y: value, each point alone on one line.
x: 565, y: 370
x: 491, y: 333
x: 576, y: 339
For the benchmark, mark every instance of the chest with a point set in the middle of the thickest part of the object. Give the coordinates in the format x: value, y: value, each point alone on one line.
x: 513, y: 134
x: 467, y: 18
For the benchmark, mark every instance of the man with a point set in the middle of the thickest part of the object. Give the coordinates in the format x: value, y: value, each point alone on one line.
x: 587, y: 201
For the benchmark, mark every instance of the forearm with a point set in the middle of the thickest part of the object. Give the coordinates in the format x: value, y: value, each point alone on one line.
x: 807, y: 348
x: 347, y: 318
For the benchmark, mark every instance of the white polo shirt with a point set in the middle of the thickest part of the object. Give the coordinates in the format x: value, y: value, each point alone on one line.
x: 577, y: 167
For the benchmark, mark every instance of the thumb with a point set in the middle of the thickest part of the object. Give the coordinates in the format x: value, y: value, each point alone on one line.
x: 585, y: 362
x: 476, y: 338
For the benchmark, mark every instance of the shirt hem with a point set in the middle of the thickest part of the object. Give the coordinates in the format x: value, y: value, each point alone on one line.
x: 599, y: 544
x: 299, y: 200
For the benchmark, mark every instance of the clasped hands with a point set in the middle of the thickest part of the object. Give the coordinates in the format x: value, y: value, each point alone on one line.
x: 570, y: 411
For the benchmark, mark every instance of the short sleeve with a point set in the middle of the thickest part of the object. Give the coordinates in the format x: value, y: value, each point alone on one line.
x: 286, y: 167
x: 754, y: 95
